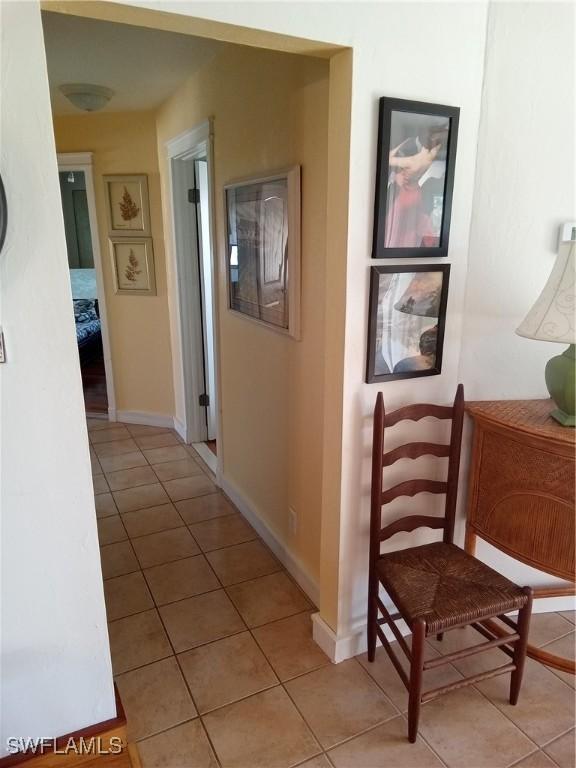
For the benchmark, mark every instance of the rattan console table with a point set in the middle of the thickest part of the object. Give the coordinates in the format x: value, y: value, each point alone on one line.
x: 521, y: 493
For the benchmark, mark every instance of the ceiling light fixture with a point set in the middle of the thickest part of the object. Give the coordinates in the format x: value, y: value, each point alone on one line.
x: 87, y: 97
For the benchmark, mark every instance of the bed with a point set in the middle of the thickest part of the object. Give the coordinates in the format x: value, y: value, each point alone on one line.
x: 88, y: 328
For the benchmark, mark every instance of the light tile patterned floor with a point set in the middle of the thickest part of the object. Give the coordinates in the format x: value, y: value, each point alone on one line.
x: 212, y: 645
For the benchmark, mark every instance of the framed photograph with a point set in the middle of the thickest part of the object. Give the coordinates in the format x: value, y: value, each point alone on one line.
x: 414, y: 179
x: 406, y: 321
x: 263, y: 250
x: 133, y: 265
x: 3, y: 214
x: 127, y: 206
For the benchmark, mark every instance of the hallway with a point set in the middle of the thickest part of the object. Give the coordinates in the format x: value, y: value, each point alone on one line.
x: 213, y: 655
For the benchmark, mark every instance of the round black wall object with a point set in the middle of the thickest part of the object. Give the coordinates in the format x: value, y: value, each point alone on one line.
x: 3, y: 214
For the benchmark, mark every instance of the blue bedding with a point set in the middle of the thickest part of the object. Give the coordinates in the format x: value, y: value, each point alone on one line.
x: 86, y: 331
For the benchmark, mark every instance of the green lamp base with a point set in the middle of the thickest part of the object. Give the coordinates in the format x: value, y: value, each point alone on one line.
x: 566, y: 419
x: 561, y: 383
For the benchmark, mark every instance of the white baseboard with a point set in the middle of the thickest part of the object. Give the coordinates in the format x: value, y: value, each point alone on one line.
x: 206, y: 455
x: 180, y: 428
x: 345, y: 647
x: 146, y: 418
x: 290, y: 561
x: 552, y: 604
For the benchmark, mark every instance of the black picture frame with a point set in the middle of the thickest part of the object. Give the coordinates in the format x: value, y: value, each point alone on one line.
x: 387, y: 107
x: 372, y: 375
x: 3, y: 214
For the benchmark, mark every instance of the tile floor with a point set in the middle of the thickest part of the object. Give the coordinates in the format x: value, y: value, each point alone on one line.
x: 212, y: 646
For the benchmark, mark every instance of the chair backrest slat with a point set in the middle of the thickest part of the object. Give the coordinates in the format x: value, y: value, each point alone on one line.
x: 412, y: 487
x: 417, y: 412
x: 408, y: 524
x: 414, y: 451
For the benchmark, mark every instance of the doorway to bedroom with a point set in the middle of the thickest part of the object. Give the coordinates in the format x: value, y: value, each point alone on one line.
x: 78, y: 208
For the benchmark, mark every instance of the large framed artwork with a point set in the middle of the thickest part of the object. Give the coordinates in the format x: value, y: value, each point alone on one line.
x: 127, y: 205
x: 406, y: 321
x: 133, y: 265
x: 414, y: 179
x: 263, y: 250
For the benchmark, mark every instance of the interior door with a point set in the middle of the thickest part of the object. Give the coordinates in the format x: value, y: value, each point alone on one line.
x: 202, y: 201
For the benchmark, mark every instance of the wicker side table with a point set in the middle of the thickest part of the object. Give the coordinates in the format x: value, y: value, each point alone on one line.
x: 521, y: 494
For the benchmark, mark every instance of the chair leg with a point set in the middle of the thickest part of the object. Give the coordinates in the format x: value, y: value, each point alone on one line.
x: 372, y: 614
x: 520, y: 647
x: 416, y: 674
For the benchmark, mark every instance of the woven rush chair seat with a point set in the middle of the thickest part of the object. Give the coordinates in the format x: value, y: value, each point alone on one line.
x: 446, y: 587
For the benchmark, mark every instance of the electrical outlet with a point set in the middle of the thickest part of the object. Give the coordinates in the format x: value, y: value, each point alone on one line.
x: 292, y: 521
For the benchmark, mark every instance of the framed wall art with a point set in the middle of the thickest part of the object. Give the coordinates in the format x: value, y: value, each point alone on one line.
x: 3, y: 214
x: 414, y: 179
x: 263, y: 250
x: 133, y: 265
x: 127, y: 206
x: 406, y: 321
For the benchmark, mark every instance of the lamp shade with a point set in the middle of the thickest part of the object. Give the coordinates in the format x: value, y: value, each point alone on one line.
x: 422, y: 297
x: 552, y: 316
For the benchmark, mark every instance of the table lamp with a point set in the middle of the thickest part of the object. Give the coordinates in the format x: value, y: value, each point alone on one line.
x: 552, y: 319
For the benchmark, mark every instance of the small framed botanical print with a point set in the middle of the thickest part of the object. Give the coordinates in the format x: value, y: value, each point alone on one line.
x: 127, y: 206
x: 414, y: 178
x: 133, y: 265
x: 406, y: 321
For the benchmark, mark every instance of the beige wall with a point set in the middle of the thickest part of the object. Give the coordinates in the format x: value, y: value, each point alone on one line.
x: 270, y: 112
x: 125, y: 143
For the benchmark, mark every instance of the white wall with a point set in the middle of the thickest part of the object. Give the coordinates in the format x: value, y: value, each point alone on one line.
x: 429, y: 73
x: 525, y: 187
x: 56, y: 671
x: 524, y: 190
x: 513, y: 190
x: 54, y: 634
x: 426, y: 51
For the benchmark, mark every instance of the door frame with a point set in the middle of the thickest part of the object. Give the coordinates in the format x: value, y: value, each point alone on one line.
x: 194, y: 143
x: 82, y: 162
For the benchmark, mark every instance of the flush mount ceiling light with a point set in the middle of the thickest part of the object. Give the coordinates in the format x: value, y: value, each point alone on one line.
x: 89, y: 98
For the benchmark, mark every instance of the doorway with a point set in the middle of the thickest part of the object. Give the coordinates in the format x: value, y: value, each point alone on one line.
x: 189, y: 157
x: 86, y: 282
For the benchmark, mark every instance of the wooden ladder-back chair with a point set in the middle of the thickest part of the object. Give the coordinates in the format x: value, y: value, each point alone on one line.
x: 435, y: 587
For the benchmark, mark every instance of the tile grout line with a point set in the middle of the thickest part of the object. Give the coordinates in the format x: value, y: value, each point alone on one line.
x: 188, y: 687
x: 486, y: 697
x: 531, y: 754
x: 477, y: 688
x: 175, y: 656
x: 403, y: 714
x: 280, y: 683
x: 560, y: 637
x: 502, y: 712
x: 555, y: 738
x: 249, y: 629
